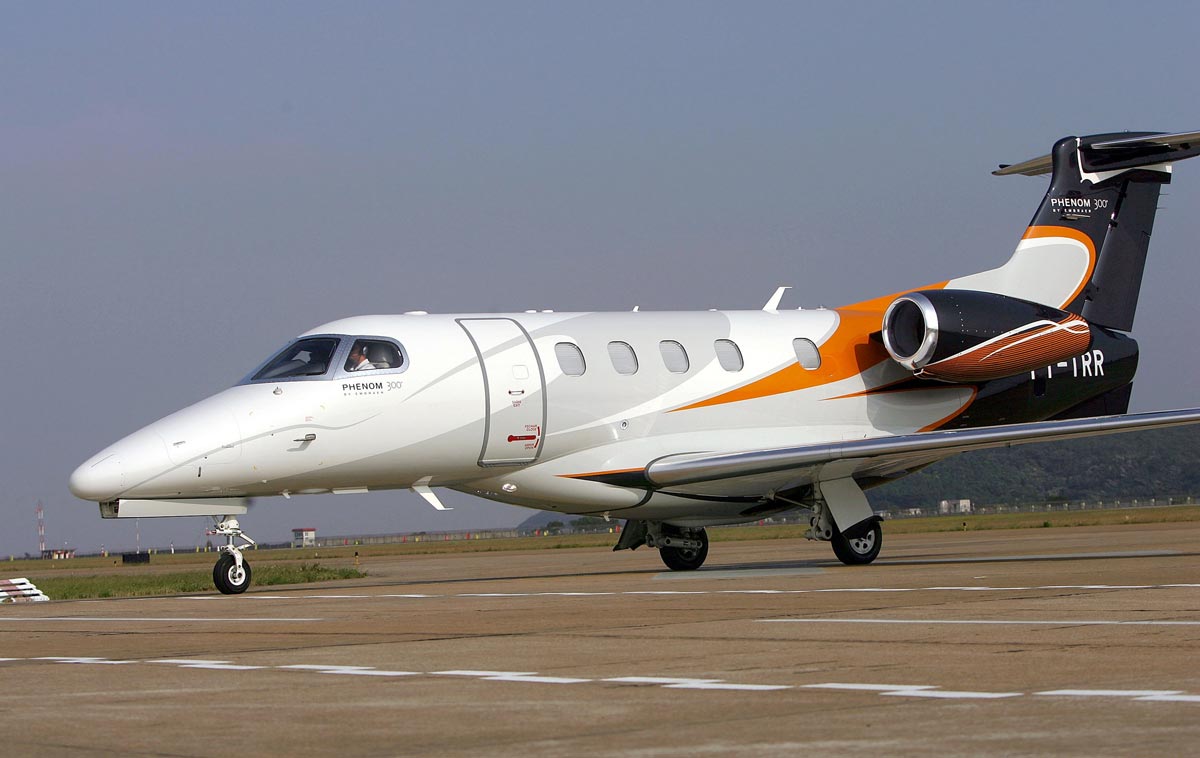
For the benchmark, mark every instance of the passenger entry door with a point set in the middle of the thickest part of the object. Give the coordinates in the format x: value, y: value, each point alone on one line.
x: 514, y: 388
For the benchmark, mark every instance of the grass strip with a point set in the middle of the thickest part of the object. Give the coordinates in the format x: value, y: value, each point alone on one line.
x: 81, y: 587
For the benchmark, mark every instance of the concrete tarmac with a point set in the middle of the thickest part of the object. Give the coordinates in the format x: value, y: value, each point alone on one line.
x: 1081, y: 641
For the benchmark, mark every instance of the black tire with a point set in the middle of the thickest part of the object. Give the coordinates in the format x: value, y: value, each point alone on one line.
x: 686, y: 559
x: 227, y: 578
x: 861, y: 551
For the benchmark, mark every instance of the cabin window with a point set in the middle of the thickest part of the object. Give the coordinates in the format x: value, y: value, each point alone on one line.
x: 674, y: 357
x: 729, y: 355
x: 624, y: 360
x: 807, y: 353
x: 570, y: 358
x: 306, y: 357
x: 372, y: 355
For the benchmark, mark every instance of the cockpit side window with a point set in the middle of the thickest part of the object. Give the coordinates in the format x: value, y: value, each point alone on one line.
x: 306, y: 357
x: 371, y: 355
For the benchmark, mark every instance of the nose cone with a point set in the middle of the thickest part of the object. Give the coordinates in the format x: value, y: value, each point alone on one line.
x: 100, y: 478
x: 120, y: 467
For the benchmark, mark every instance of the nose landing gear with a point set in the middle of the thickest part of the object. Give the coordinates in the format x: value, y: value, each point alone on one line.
x: 231, y: 575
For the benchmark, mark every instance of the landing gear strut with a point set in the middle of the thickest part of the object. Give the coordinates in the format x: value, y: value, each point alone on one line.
x: 231, y: 575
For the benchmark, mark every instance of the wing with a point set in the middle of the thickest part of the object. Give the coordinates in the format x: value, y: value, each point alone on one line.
x: 761, y: 472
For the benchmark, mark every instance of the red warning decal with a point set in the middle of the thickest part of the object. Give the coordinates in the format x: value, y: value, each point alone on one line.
x: 531, y: 437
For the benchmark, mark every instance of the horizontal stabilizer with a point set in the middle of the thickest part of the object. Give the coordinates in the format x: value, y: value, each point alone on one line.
x: 1116, y: 152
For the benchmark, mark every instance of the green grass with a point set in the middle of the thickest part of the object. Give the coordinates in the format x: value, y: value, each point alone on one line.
x: 80, y: 587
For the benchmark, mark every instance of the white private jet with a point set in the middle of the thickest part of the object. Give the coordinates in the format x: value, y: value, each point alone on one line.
x: 677, y: 421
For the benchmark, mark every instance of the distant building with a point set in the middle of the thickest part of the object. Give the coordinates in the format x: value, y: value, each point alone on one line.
x: 59, y: 553
x: 950, y: 507
x: 304, y: 537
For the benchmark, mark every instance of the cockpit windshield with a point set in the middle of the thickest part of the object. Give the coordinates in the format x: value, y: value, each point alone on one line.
x: 306, y: 357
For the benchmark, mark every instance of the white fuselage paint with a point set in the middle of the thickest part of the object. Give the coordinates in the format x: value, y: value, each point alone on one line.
x: 482, y: 405
x: 519, y: 430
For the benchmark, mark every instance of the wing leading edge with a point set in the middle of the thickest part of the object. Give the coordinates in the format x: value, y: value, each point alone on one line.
x: 879, y: 453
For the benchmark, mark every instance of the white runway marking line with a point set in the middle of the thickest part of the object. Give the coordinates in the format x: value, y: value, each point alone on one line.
x: 652, y: 593
x: 1169, y: 699
x: 200, y: 663
x: 481, y: 674
x: 978, y: 622
x: 728, y: 686
x: 536, y: 679
x: 1109, y: 693
x: 347, y: 670
x: 868, y: 687
x: 914, y: 690
x: 952, y: 694
x: 677, y: 683
x: 73, y: 659
x: 511, y: 676
x: 155, y: 619
x: 666, y: 682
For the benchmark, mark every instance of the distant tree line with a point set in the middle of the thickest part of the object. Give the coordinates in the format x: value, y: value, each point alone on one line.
x: 1159, y: 463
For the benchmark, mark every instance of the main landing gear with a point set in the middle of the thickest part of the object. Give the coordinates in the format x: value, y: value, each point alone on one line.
x: 231, y: 575
x: 681, y: 548
x: 855, y: 547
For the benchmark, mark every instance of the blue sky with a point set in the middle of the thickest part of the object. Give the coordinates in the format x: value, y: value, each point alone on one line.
x: 184, y: 187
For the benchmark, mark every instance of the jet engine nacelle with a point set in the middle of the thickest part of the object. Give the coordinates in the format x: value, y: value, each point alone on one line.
x: 969, y: 336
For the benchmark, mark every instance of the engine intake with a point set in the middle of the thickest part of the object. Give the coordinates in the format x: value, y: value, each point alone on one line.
x: 969, y: 336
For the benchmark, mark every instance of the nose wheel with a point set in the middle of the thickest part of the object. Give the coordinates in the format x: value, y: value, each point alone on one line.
x: 229, y: 577
x: 232, y: 573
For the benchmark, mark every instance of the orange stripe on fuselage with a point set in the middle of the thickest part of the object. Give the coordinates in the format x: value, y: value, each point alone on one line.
x: 601, y: 473
x: 847, y: 352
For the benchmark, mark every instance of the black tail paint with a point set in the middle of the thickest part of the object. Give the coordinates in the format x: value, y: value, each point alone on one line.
x: 1106, y: 186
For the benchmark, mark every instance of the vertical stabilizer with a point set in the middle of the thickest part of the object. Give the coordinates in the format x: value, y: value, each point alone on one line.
x: 1085, y: 248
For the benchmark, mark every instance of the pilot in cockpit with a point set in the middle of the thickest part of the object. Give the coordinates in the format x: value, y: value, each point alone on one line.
x: 358, y: 359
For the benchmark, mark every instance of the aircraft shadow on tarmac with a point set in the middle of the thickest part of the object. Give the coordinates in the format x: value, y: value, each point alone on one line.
x: 758, y: 569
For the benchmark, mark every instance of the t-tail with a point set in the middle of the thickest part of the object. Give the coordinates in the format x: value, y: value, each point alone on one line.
x: 1085, y: 249
x: 1067, y: 296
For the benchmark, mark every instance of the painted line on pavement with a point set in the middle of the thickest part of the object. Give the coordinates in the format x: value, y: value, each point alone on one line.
x: 1043, y: 557
x: 929, y: 691
x: 654, y: 593
x: 980, y: 622
x: 951, y: 694
x: 152, y: 619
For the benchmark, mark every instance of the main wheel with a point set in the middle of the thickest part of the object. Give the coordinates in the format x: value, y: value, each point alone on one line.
x: 859, y: 551
x: 686, y: 559
x: 228, y: 578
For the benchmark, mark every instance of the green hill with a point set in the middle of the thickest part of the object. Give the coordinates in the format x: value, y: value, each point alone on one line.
x: 1161, y: 463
